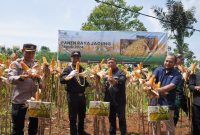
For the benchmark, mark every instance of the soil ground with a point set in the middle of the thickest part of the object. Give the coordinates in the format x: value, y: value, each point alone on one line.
x: 59, y: 125
x: 134, y: 127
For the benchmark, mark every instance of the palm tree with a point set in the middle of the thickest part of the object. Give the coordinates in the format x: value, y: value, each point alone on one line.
x: 178, y: 21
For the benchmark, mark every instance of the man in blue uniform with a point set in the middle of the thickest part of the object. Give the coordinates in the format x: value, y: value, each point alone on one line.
x: 115, y: 94
x: 169, y: 78
x: 24, y: 88
x: 75, y: 87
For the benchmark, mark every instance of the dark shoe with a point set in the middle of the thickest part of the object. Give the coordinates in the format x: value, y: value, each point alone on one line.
x: 84, y: 133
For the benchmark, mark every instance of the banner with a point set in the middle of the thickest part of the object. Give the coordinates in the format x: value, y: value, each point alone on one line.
x: 127, y: 47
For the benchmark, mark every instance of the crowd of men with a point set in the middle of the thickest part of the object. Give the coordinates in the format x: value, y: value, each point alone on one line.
x: 170, y: 93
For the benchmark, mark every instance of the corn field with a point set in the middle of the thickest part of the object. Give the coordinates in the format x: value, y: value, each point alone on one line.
x: 136, y: 94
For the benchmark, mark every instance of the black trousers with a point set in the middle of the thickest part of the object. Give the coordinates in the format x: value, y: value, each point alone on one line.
x: 195, y: 120
x: 77, y: 109
x: 18, y: 119
x: 120, y: 112
x: 183, y: 104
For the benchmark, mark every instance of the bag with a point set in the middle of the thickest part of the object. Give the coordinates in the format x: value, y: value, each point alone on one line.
x: 99, y: 108
x: 39, y: 109
x: 158, y: 113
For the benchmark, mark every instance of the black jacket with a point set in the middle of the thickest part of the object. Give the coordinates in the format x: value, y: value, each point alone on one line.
x: 194, y: 80
x: 116, y: 94
x: 72, y: 85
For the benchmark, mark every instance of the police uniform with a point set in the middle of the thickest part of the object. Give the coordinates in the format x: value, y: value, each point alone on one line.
x: 22, y: 91
x: 75, y: 88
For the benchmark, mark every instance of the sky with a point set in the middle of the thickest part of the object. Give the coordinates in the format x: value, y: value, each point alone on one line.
x: 38, y: 21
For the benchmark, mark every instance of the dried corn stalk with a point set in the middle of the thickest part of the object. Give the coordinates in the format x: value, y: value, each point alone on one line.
x: 193, y: 68
x: 7, y: 63
x: 59, y: 66
x: 45, y: 61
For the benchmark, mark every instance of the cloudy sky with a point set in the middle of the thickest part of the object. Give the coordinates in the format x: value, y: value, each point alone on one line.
x: 38, y: 21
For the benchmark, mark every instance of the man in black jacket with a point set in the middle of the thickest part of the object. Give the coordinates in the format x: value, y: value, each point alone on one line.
x: 75, y: 87
x: 115, y: 94
x: 194, y: 85
x: 181, y: 99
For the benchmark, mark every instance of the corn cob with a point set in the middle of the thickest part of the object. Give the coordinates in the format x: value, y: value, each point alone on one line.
x: 59, y: 65
x: 156, y: 86
x: 24, y: 66
x: 136, y: 74
x: 140, y: 65
x: 78, y: 66
x: 152, y: 80
x: 1, y: 72
x: 52, y: 64
x: 110, y: 72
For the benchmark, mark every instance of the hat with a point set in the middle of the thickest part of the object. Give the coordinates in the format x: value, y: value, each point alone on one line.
x: 111, y: 58
x: 75, y: 53
x: 29, y: 47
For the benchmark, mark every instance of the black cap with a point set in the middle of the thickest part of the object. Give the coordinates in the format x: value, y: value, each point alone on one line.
x: 29, y: 47
x: 111, y: 58
x: 76, y: 53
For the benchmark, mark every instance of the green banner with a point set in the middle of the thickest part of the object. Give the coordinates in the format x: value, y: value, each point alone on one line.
x: 127, y: 47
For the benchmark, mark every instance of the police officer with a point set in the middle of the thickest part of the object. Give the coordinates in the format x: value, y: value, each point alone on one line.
x: 24, y: 87
x: 115, y: 94
x: 75, y: 87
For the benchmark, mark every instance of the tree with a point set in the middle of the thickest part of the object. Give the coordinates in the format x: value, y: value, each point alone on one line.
x: 2, y: 49
x: 45, y: 52
x: 179, y: 22
x: 17, y: 50
x: 106, y: 17
x: 44, y: 48
x: 189, y: 55
x: 9, y: 51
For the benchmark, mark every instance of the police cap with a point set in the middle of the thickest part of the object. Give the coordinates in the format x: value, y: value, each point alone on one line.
x: 75, y: 53
x: 29, y: 47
